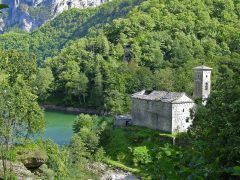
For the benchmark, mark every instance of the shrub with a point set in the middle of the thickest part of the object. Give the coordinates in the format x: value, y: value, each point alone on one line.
x: 83, y: 120
x: 141, y: 155
x: 99, y: 155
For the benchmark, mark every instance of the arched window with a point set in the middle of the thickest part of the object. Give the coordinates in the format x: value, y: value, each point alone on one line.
x: 206, y: 86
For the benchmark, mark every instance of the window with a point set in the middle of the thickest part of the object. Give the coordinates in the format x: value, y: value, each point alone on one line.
x: 187, y: 120
x: 183, y: 110
x: 206, y: 76
x: 206, y: 86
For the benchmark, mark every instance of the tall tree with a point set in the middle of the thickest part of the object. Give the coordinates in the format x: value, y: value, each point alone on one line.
x: 75, y: 82
x: 44, y: 79
x: 20, y: 114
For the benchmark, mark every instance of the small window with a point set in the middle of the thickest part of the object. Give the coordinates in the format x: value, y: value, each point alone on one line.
x: 206, y: 86
x: 187, y: 120
x: 206, y: 76
x: 183, y: 110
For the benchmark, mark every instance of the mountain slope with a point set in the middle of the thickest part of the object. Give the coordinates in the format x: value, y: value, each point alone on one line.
x: 30, y: 14
x: 161, y: 40
x: 72, y: 24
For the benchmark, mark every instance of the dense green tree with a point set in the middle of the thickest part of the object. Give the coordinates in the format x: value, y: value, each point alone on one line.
x: 21, y: 115
x: 97, y: 92
x: 83, y: 121
x: 75, y: 82
x: 164, y: 80
x: 219, y: 140
x: 157, y: 36
x: 114, y: 102
x: 44, y: 78
x: 77, y: 149
x: 87, y: 135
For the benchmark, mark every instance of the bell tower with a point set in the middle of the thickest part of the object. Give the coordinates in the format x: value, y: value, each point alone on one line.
x: 202, y: 83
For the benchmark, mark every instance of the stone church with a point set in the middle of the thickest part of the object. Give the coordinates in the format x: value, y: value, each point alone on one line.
x: 170, y: 111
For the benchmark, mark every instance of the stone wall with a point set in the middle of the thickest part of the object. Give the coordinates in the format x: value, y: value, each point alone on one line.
x: 152, y: 114
x: 181, y: 116
x: 202, y: 84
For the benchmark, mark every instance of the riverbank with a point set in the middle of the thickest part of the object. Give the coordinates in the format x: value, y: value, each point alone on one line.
x: 72, y: 110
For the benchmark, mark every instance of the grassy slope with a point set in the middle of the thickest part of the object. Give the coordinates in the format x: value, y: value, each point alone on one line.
x: 121, y: 142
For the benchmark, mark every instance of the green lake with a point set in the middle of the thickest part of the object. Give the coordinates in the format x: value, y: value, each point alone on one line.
x: 58, y: 127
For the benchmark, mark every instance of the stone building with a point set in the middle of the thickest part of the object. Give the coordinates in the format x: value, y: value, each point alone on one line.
x: 202, y: 83
x: 170, y: 111
x: 122, y: 121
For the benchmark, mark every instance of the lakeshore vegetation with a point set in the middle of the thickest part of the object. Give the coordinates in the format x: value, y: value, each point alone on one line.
x: 97, y: 57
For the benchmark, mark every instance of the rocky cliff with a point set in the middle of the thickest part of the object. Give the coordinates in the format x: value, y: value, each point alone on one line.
x: 30, y: 14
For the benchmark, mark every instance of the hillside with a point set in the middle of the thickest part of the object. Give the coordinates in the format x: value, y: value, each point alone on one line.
x: 73, y: 24
x: 28, y: 15
x: 96, y: 58
x: 165, y: 39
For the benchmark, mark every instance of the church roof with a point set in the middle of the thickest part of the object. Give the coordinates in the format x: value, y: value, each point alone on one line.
x: 164, y: 96
x: 202, y: 67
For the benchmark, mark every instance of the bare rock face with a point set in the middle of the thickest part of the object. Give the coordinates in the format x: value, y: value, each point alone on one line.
x: 19, y: 170
x: 30, y: 14
x: 33, y: 159
x: 118, y: 175
x: 107, y: 173
x: 61, y: 5
x: 33, y: 162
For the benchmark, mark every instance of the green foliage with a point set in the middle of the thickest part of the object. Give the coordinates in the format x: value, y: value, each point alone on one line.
x: 21, y: 115
x: 46, y: 173
x: 99, y: 155
x: 14, y: 41
x: 57, y: 158
x: 80, y: 171
x: 84, y: 52
x: 236, y: 171
x: 119, y: 151
x: 47, y: 41
x: 2, y: 6
x: 141, y: 155
x: 44, y: 79
x: 219, y: 119
x: 28, y: 149
x: 85, y: 142
x: 84, y: 148
x: 78, y: 150
x: 84, y: 121
x: 54, y: 157
x: 167, y: 162
x: 165, y: 38
x: 74, y: 82
x: 121, y: 166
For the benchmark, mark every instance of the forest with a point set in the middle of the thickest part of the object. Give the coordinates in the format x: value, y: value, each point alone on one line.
x: 97, y: 57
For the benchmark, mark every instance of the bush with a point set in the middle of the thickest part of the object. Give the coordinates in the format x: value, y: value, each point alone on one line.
x: 100, y: 155
x: 83, y: 120
x: 141, y: 155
